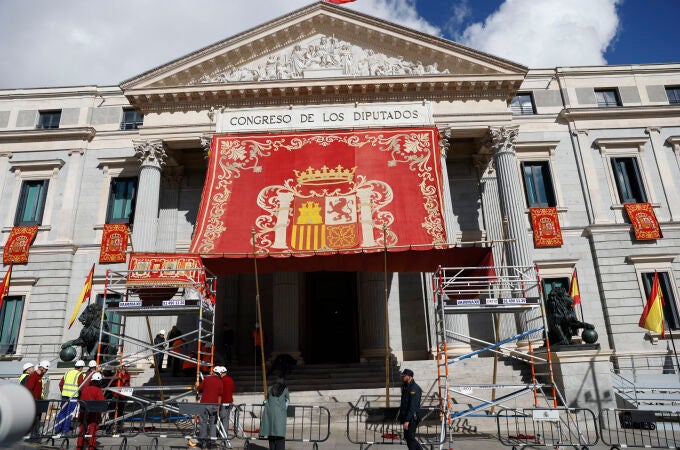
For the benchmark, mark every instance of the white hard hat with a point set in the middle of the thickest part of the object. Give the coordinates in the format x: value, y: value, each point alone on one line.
x: 92, y: 363
x: 162, y: 332
x: 219, y: 369
x: 27, y: 366
x: 44, y: 364
x: 80, y: 363
x: 97, y: 376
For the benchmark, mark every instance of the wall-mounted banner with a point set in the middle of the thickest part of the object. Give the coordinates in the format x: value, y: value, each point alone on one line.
x: 326, y: 117
x: 342, y: 191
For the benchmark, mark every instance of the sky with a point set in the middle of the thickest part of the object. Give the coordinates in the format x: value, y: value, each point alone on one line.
x: 104, y: 42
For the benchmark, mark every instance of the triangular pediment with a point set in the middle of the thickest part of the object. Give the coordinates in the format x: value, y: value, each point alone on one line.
x: 323, y: 41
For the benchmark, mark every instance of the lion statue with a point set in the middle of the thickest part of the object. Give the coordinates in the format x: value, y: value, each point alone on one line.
x: 562, y: 321
x: 89, y: 335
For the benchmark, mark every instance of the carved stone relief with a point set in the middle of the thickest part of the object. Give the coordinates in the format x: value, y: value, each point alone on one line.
x: 321, y: 57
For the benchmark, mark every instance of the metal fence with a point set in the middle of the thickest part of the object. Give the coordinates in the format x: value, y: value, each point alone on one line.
x: 304, y: 423
x: 547, y: 428
x: 379, y: 425
x: 621, y: 428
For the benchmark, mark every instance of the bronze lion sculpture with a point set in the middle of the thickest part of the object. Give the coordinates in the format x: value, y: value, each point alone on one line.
x: 562, y: 321
x: 88, y: 340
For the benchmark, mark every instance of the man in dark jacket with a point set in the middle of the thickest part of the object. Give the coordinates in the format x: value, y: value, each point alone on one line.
x: 409, y: 408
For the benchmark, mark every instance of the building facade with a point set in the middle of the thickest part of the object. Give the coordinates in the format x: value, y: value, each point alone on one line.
x: 585, y: 140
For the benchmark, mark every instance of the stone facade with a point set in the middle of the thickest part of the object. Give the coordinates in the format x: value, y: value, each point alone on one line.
x: 486, y: 146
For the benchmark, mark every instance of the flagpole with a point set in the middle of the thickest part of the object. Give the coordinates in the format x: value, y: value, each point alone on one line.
x: 675, y: 351
x: 580, y: 303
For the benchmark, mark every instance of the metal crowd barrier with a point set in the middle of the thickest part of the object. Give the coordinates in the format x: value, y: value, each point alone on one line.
x: 620, y: 428
x: 305, y: 423
x: 368, y: 426
x: 534, y: 427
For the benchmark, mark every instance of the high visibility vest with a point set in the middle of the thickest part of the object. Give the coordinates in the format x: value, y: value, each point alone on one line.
x: 257, y: 341
x: 22, y: 377
x: 70, y: 388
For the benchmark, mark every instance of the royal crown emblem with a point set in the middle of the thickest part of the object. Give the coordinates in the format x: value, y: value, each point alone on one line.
x: 325, y: 175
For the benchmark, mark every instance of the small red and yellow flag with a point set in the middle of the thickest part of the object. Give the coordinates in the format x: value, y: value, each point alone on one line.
x: 4, y: 286
x: 652, y: 316
x: 85, y: 293
x: 574, y: 290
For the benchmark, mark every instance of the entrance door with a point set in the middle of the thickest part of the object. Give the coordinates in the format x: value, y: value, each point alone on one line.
x: 331, y: 317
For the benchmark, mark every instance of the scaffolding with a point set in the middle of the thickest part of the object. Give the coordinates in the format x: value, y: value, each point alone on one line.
x: 173, y: 290
x: 490, y: 292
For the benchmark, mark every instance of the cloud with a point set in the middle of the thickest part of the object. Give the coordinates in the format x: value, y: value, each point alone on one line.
x: 547, y: 33
x: 60, y: 43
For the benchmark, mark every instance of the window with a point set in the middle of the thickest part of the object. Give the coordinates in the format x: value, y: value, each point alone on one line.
x: 49, y: 119
x: 114, y: 320
x: 132, y: 119
x: 670, y: 308
x: 31, y: 203
x: 607, y: 98
x: 673, y: 93
x: 550, y: 283
x: 121, y: 200
x: 538, y: 186
x: 10, y: 322
x: 522, y: 104
x: 628, y: 180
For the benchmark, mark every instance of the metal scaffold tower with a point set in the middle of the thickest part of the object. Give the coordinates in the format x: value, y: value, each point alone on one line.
x: 152, y: 292
x: 490, y: 292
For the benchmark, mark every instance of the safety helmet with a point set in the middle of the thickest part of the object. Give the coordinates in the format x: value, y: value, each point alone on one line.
x: 92, y: 363
x: 27, y: 366
x: 162, y: 332
x: 97, y: 376
x: 80, y: 363
x: 44, y: 364
x: 219, y: 369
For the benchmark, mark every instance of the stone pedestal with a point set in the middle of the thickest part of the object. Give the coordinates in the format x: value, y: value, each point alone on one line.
x: 583, y: 377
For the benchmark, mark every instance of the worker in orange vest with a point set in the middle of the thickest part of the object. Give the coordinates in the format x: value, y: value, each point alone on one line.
x: 257, y: 344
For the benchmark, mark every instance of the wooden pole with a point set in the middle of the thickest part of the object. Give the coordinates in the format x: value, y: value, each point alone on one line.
x: 387, y: 323
x: 259, y: 314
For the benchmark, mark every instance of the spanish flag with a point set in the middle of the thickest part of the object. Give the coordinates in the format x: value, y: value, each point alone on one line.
x: 85, y: 293
x: 574, y: 290
x: 652, y: 316
x: 4, y: 286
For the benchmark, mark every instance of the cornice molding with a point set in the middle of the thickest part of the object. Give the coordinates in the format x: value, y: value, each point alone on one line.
x: 623, y: 142
x: 572, y: 114
x: 660, y: 258
x: 56, y: 134
x: 44, y: 164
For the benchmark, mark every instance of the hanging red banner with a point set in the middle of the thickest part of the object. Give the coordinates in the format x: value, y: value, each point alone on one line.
x: 546, y: 225
x: 114, y: 243
x: 644, y: 221
x: 165, y: 269
x: 321, y: 193
x: 18, y: 244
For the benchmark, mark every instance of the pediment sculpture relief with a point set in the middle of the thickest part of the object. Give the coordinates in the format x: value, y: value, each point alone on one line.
x: 321, y: 58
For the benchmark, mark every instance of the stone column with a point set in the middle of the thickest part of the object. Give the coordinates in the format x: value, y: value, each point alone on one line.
x: 4, y: 170
x: 493, y: 224
x: 371, y: 316
x: 518, y: 249
x: 454, y: 322
x: 167, y: 215
x: 668, y: 182
x: 152, y: 156
x: 286, y: 315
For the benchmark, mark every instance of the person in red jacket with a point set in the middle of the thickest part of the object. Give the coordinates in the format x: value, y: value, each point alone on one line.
x: 89, y: 422
x: 211, y: 389
x: 34, y: 383
x: 228, y: 388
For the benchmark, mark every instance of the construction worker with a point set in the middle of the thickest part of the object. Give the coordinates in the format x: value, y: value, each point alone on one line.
x: 69, y: 387
x: 177, y: 347
x: 160, y: 343
x: 121, y: 379
x: 27, y: 370
x: 211, y: 390
x: 228, y: 388
x: 89, y: 423
x: 91, y: 370
x: 257, y: 344
x: 34, y: 382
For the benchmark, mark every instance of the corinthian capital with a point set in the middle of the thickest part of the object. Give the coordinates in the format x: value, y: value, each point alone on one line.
x: 502, y: 139
x: 445, y: 135
x: 150, y: 152
x: 206, y: 139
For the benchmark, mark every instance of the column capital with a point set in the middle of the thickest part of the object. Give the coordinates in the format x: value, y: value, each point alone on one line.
x: 150, y: 152
x: 78, y: 151
x: 502, y: 139
x: 445, y: 135
x: 206, y: 140
x: 7, y: 155
x: 484, y: 164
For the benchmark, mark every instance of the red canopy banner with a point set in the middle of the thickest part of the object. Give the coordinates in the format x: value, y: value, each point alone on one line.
x: 321, y: 194
x: 546, y: 225
x: 165, y: 269
x: 644, y: 221
x: 18, y: 244
x: 114, y: 243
